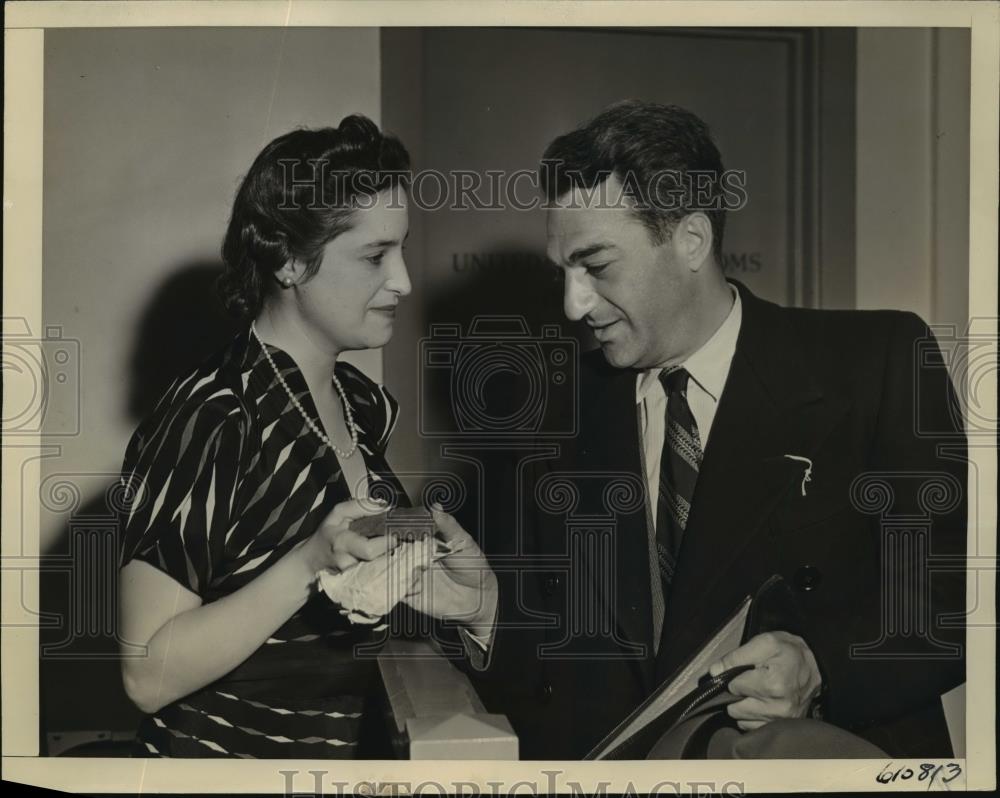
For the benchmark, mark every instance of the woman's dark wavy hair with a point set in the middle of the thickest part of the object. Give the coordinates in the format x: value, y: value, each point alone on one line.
x: 641, y: 143
x: 299, y: 194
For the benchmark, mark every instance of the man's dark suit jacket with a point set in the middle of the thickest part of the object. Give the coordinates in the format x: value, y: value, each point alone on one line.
x: 865, y: 396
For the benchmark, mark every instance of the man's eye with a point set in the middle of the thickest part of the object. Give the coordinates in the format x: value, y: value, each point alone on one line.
x: 596, y: 268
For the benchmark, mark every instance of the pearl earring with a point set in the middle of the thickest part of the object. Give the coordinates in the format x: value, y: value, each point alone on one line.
x: 287, y: 282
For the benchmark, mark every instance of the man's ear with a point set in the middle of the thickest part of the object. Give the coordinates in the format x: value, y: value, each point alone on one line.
x: 692, y: 240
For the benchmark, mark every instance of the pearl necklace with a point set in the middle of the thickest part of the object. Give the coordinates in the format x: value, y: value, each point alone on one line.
x: 298, y: 405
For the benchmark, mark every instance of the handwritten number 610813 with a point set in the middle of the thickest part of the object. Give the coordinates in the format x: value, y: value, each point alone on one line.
x: 926, y: 772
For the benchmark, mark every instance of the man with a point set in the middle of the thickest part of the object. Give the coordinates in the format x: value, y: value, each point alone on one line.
x: 749, y: 429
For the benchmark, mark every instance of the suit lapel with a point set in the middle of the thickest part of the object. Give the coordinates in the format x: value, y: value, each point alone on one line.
x: 770, y: 408
x: 610, y: 448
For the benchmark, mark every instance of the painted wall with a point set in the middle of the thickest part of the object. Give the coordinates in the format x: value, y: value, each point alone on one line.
x: 912, y: 211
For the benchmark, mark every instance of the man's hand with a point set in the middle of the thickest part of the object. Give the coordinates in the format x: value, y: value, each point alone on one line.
x: 783, y: 683
x: 460, y: 586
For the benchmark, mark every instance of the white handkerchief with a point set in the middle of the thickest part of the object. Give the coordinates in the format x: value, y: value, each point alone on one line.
x: 369, y: 590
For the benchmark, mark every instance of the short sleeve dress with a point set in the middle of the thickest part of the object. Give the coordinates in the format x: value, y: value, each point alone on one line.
x: 225, y: 477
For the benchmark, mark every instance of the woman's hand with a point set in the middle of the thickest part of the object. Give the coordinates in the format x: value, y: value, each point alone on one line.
x: 460, y: 586
x: 335, y: 547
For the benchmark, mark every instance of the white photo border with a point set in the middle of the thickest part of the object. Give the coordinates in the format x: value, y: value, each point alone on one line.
x: 24, y: 36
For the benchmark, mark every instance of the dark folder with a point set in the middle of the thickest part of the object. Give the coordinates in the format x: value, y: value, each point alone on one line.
x: 690, y: 689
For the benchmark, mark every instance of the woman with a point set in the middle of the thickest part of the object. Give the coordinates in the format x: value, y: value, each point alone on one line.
x: 246, y: 476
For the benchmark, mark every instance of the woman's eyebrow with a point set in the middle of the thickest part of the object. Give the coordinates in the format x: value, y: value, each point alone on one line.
x: 385, y: 242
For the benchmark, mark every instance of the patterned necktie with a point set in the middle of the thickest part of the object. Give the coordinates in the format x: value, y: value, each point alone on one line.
x: 679, y: 464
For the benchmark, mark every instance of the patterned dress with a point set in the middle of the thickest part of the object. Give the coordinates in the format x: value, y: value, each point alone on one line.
x: 225, y: 478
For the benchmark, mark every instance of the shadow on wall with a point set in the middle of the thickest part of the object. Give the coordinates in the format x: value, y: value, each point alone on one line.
x: 496, y: 372
x: 80, y: 687
x: 496, y: 376
x: 183, y: 325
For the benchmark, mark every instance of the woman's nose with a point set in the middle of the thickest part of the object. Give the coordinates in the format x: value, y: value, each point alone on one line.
x: 399, y: 278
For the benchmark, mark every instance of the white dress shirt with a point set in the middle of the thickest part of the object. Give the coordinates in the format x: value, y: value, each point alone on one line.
x: 709, y: 368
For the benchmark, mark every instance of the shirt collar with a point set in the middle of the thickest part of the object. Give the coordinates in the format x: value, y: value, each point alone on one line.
x: 709, y: 366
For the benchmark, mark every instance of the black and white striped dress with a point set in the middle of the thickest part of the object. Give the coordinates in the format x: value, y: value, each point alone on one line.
x: 225, y: 477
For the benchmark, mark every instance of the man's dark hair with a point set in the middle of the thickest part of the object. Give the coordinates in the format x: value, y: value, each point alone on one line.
x: 663, y: 155
x: 300, y: 193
